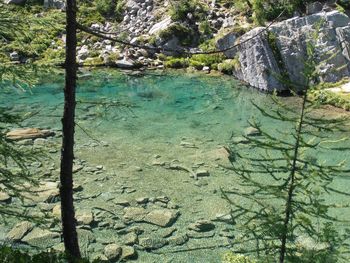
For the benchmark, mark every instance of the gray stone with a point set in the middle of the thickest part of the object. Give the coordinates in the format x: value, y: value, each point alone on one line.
x: 312, y: 8
x: 195, y: 234
x: 14, y: 56
x: 136, y: 214
x: 19, y: 231
x: 202, y: 226
x: 125, y: 64
x: 251, y: 131
x: 84, y: 217
x: 164, y: 24
x: 202, y: 173
x: 4, y: 197
x: 41, y: 238
x: 178, y: 240
x: 130, y: 239
x: 150, y: 243
x: 161, y: 217
x: 55, y: 4
x: 128, y: 252
x: 112, y: 251
x: 85, y: 237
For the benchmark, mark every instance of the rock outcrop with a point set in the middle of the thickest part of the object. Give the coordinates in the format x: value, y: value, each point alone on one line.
x: 266, y: 53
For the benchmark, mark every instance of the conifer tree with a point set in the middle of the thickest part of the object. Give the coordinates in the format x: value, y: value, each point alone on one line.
x: 285, y: 178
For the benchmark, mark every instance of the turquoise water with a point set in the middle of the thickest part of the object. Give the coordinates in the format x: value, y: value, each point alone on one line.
x: 135, y: 125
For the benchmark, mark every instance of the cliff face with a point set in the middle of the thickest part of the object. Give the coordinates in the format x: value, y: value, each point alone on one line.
x: 283, y: 48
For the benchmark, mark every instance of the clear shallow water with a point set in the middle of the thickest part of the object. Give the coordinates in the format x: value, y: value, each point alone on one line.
x: 166, y: 113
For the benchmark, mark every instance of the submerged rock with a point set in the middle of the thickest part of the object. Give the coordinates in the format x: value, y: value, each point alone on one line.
x: 150, y: 243
x: 4, y: 197
x: 112, y: 251
x: 41, y: 238
x: 28, y: 133
x: 19, y: 231
x: 202, y: 226
x: 128, y: 252
x: 161, y: 217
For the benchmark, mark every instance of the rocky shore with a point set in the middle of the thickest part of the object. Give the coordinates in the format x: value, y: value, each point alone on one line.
x: 259, y: 56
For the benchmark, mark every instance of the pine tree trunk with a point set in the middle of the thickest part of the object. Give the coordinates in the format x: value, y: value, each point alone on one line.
x: 67, y: 154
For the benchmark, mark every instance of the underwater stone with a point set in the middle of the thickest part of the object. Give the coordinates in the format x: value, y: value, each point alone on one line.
x: 130, y: 239
x: 202, y: 172
x: 152, y: 243
x: 202, y: 226
x: 41, y: 238
x: 128, y: 252
x: 28, y: 133
x: 112, y: 251
x: 251, y: 131
x: 84, y: 217
x: 4, y: 197
x: 161, y: 217
x: 178, y: 240
x: 19, y: 231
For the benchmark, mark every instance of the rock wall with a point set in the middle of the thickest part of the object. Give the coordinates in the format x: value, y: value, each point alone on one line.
x: 263, y: 61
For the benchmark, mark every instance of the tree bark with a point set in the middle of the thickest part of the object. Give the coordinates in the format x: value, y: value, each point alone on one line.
x: 67, y: 151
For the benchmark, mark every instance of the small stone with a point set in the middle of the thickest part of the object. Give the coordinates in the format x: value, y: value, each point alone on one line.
x: 41, y: 238
x: 168, y: 232
x: 136, y: 214
x: 4, y: 197
x: 251, y: 131
x: 56, y: 211
x: 202, y: 173
x: 238, y: 140
x: 228, y: 234
x: 178, y: 240
x: 195, y: 234
x: 122, y: 202
x: 84, y: 217
x: 187, y: 144
x: 59, y: 247
x: 163, y: 199
x: 130, y: 239
x: 85, y: 237
x: 112, y: 251
x: 202, y: 226
x: 19, y: 231
x: 152, y: 243
x: 227, y: 218
x: 128, y: 253
x: 119, y: 226
x: 142, y: 200
x: 161, y: 217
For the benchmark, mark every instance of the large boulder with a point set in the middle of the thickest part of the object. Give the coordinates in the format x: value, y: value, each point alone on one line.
x: 267, y: 53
